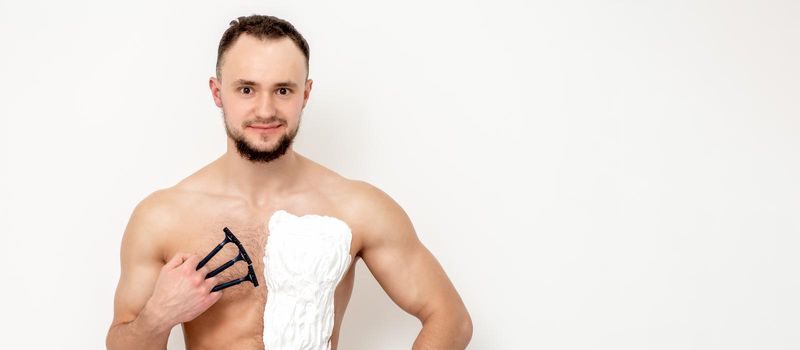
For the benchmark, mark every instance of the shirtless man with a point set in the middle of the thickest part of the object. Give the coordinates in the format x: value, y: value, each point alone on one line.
x: 262, y: 86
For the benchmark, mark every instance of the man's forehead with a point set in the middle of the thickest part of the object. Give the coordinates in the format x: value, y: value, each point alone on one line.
x: 256, y: 59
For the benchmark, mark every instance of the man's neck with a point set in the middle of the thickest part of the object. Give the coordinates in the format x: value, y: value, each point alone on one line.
x: 257, y: 182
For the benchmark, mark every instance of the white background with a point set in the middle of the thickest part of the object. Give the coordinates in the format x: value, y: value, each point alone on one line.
x: 591, y: 174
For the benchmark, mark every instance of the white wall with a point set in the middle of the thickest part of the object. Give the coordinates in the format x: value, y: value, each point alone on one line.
x: 591, y: 174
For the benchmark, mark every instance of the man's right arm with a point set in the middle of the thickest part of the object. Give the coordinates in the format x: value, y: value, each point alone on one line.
x: 152, y: 296
x: 141, y: 261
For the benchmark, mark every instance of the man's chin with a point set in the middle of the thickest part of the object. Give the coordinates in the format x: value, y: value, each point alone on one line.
x: 261, y: 145
x: 261, y: 154
x: 262, y: 150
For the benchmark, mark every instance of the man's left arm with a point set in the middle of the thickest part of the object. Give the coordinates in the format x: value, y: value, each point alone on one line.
x: 411, y: 275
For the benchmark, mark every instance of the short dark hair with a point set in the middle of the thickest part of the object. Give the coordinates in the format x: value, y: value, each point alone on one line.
x: 262, y: 27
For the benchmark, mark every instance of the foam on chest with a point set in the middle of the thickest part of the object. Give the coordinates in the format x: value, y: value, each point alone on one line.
x: 305, y: 259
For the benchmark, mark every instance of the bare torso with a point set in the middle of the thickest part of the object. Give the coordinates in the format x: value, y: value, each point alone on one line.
x: 201, y: 210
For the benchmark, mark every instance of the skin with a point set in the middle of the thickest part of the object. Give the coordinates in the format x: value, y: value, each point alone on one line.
x: 173, y: 228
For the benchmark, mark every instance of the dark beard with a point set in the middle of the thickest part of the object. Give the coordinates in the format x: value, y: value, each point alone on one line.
x: 259, y: 156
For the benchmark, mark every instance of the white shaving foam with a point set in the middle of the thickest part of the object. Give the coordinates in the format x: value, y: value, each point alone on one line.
x: 304, y: 260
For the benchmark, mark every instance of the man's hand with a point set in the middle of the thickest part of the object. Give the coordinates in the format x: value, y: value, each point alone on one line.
x: 182, y: 293
x: 153, y: 295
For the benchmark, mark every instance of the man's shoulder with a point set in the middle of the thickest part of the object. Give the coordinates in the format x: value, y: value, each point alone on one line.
x: 369, y: 205
x: 163, y: 198
x: 376, y: 216
x: 148, y: 226
x: 370, y: 195
x: 344, y: 192
x: 356, y: 194
x: 157, y: 211
x: 161, y: 214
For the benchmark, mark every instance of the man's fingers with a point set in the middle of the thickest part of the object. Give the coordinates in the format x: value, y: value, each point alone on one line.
x: 215, y: 296
x: 209, y: 283
x: 192, y: 261
x: 176, y: 260
x: 203, y: 270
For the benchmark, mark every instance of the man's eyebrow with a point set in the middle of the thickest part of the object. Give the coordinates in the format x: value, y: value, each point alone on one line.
x: 289, y: 84
x: 245, y: 82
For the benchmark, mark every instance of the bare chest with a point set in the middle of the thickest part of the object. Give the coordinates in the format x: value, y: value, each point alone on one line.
x: 238, y: 318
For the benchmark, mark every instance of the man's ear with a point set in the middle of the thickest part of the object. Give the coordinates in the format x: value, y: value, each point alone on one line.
x: 307, y: 91
x: 215, y: 85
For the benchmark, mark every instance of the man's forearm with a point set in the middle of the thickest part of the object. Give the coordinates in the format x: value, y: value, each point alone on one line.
x: 145, y: 332
x: 444, y: 331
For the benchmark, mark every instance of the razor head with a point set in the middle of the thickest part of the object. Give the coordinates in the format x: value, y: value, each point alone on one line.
x: 230, y: 237
x: 251, y: 276
x: 243, y: 253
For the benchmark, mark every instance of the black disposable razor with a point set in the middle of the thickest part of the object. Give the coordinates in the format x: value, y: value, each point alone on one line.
x: 251, y: 276
x: 230, y: 238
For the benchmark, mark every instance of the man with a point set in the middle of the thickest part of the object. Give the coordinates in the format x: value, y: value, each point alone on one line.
x: 262, y: 86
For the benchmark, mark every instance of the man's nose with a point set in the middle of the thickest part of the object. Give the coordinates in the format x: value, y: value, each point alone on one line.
x: 265, y: 106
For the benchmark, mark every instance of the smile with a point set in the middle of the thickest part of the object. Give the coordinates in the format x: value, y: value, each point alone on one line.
x: 265, y: 129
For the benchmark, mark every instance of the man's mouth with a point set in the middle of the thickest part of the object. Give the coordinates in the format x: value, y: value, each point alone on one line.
x: 265, y: 126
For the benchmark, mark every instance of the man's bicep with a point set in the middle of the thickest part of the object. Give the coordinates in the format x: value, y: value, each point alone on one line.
x: 140, y: 262
x: 411, y: 276
x: 403, y: 266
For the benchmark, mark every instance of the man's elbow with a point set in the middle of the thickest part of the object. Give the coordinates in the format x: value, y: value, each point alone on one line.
x: 465, y: 329
x: 458, y: 325
x: 445, y: 330
x: 110, y: 343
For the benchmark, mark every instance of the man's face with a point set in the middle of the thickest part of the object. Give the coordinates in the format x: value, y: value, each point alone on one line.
x: 262, y: 90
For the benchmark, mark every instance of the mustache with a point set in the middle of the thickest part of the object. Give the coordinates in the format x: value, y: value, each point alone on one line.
x: 266, y: 121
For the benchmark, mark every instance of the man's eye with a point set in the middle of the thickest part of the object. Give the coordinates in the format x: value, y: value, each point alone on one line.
x: 246, y: 90
x: 283, y: 91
